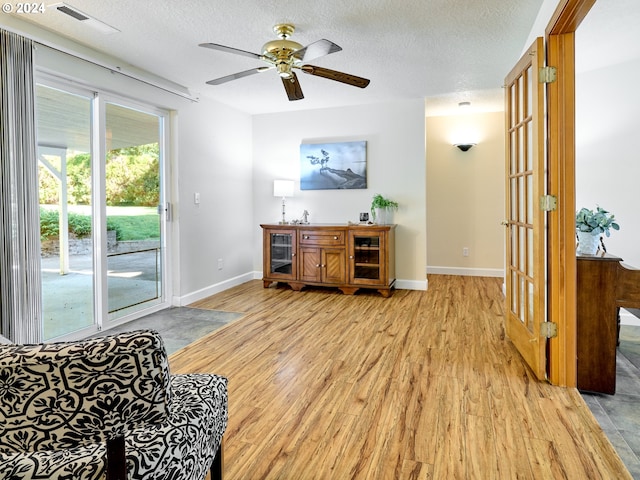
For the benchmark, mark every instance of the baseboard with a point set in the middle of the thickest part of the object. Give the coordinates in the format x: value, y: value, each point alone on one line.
x: 412, y: 284
x: 469, y: 272
x: 627, y: 318
x: 400, y: 284
x: 212, y: 290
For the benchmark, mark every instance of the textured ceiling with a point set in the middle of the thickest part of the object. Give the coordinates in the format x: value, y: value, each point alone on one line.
x: 408, y: 49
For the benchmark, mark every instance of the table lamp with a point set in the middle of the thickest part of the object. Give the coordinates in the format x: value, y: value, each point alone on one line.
x: 283, y: 188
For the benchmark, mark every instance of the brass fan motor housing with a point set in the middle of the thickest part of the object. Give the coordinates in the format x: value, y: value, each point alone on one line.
x: 283, y: 48
x: 280, y: 48
x: 281, y: 51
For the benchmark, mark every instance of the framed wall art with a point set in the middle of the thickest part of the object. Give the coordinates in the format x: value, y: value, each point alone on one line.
x: 325, y: 166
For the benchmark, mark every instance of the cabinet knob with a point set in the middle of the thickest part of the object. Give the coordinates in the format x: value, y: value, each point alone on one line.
x: 306, y: 237
x: 351, y: 257
x: 318, y: 265
x: 293, y: 254
x: 335, y: 237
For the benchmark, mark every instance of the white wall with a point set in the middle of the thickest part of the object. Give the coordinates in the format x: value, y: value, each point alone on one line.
x: 607, y: 162
x: 545, y: 13
x: 607, y: 99
x: 607, y: 117
x: 395, y: 168
x: 214, y: 160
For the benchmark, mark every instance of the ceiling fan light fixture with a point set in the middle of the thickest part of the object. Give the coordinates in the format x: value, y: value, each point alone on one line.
x: 284, y: 70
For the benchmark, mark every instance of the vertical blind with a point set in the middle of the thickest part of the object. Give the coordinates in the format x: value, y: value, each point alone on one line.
x: 20, y: 281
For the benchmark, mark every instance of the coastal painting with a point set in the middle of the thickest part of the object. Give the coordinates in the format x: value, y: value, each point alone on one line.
x: 326, y: 166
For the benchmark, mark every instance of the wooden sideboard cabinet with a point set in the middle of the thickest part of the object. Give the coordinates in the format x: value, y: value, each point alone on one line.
x: 348, y: 257
x: 604, y: 285
x: 596, y: 328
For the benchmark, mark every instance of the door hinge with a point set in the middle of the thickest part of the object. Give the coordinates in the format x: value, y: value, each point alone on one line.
x: 548, y: 203
x: 548, y: 329
x: 547, y: 74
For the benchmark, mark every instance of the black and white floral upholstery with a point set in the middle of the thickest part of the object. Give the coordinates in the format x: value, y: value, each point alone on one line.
x: 62, y: 404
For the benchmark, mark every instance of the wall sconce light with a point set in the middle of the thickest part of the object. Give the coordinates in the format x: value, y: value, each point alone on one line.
x: 464, y: 146
x: 283, y: 188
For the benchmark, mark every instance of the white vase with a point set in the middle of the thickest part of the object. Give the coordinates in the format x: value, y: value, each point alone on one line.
x: 384, y: 216
x: 588, y: 243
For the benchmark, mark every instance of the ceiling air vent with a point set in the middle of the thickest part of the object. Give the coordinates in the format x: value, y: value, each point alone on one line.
x: 72, y: 13
x: 87, y: 20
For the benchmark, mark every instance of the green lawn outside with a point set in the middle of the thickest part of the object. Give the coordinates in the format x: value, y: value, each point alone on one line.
x: 135, y: 227
x: 130, y: 223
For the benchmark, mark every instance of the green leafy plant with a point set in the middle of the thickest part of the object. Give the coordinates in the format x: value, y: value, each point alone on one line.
x: 49, y: 224
x: 380, y: 202
x: 79, y: 225
x: 600, y: 221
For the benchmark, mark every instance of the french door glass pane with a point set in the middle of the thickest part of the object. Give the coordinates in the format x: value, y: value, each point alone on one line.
x: 132, y: 182
x: 64, y: 174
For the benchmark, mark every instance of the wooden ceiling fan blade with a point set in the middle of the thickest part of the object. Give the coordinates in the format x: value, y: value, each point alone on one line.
x: 292, y: 87
x: 224, y: 48
x: 335, y: 75
x: 235, y: 76
x: 316, y: 49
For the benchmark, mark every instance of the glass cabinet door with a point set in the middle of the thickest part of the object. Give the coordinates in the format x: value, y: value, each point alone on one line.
x: 367, y: 257
x: 281, y: 253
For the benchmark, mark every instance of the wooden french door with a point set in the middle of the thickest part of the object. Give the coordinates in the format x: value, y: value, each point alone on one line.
x: 525, y: 274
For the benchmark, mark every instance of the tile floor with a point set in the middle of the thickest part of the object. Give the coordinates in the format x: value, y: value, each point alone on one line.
x: 619, y: 414
x: 179, y: 326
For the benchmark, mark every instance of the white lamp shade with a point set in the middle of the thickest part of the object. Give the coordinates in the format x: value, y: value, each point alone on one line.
x: 283, y: 188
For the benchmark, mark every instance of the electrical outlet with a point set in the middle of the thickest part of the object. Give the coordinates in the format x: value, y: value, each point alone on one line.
x: 465, y: 251
x: 220, y: 264
x: 196, y: 198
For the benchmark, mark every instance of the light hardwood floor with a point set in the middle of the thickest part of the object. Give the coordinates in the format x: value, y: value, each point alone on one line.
x: 420, y: 385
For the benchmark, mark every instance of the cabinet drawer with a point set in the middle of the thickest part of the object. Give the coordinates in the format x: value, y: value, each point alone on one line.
x: 322, y: 237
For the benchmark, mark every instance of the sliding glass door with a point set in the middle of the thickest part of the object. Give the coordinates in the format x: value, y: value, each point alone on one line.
x: 65, y: 190
x: 133, y: 200
x: 101, y: 195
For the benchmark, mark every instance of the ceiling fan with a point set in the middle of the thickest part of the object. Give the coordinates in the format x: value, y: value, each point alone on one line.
x: 286, y: 55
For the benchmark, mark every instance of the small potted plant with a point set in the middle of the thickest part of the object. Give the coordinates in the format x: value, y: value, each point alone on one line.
x: 381, y: 208
x: 590, y: 225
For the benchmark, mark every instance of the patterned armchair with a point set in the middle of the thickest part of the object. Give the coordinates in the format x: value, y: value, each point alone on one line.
x: 107, y: 408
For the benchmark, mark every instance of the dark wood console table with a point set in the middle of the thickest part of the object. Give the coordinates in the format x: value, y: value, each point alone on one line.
x: 604, y: 285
